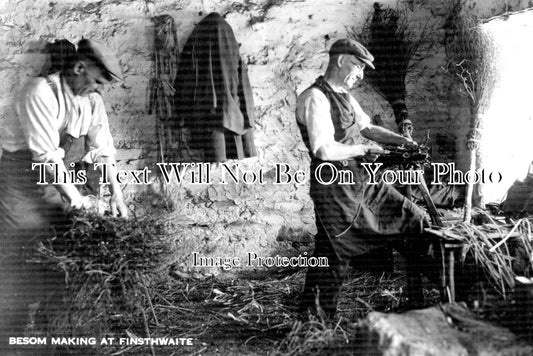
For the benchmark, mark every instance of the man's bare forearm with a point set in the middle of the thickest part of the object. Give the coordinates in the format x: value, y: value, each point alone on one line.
x: 67, y: 188
x: 336, y: 151
x: 118, y: 208
x: 111, y: 174
x: 382, y: 135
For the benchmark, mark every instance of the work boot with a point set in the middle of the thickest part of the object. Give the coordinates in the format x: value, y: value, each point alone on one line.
x: 322, y: 289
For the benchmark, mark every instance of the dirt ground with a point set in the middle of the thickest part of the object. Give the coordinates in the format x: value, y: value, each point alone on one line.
x: 257, y: 314
x: 252, y: 313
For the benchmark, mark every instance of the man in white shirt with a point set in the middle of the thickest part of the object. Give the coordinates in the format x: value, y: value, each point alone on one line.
x: 53, y: 113
x: 351, y: 219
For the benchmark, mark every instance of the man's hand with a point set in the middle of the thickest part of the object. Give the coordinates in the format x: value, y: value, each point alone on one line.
x: 409, y: 143
x: 116, y: 203
x: 81, y: 202
x: 118, y: 208
x: 372, y: 151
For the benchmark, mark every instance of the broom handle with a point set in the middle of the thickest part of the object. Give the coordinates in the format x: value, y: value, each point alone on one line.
x: 433, y: 212
x: 409, y: 192
x: 470, y: 189
x: 408, y: 188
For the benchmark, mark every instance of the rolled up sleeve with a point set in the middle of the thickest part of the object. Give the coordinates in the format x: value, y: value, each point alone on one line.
x: 313, y: 111
x: 38, y: 111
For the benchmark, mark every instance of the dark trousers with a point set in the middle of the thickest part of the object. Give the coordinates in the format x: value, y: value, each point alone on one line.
x: 323, y: 284
x: 27, y: 212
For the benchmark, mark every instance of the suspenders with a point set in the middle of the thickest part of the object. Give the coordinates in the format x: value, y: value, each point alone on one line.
x: 54, y: 87
x: 74, y: 147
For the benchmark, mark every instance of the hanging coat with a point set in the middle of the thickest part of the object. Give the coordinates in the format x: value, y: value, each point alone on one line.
x: 213, y: 93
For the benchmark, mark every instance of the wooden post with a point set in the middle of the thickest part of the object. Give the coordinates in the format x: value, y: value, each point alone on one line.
x: 472, y: 144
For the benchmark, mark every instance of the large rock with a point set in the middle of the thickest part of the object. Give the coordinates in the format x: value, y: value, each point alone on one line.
x: 448, y: 330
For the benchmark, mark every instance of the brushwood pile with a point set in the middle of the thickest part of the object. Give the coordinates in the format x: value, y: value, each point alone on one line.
x: 106, y: 267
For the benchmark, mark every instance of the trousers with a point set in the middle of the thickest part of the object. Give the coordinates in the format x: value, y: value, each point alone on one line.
x: 323, y: 284
x: 354, y: 219
x: 27, y: 213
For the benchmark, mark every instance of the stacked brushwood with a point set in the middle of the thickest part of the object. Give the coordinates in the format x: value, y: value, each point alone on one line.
x: 493, y: 247
x: 108, y: 265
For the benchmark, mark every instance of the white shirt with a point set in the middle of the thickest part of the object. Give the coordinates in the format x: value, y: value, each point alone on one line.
x: 44, y: 118
x: 313, y: 111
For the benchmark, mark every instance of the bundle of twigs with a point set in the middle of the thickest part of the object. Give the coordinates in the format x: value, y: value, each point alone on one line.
x: 471, y: 54
x: 492, y: 254
x: 107, y: 264
x: 387, y: 36
x: 161, y: 88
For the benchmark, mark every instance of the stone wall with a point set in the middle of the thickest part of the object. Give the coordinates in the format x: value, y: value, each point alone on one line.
x: 284, y: 43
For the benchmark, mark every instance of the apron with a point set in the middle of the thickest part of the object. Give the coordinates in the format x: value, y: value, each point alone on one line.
x: 27, y: 212
x: 25, y: 206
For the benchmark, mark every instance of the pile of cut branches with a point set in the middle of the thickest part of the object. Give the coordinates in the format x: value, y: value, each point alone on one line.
x: 107, y: 264
x: 491, y: 253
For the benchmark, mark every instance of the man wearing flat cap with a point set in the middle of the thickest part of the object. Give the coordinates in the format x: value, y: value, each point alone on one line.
x: 351, y: 219
x: 57, y: 115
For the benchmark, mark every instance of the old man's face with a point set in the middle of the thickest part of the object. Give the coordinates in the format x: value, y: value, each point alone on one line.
x: 352, y: 71
x: 89, y: 80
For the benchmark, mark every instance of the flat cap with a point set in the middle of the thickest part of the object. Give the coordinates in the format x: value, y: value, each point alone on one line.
x: 346, y: 46
x: 101, y: 56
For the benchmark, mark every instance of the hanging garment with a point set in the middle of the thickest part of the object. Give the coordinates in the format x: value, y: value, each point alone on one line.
x: 213, y: 93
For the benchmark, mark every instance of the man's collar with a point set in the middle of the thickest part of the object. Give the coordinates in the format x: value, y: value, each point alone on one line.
x: 335, y: 88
